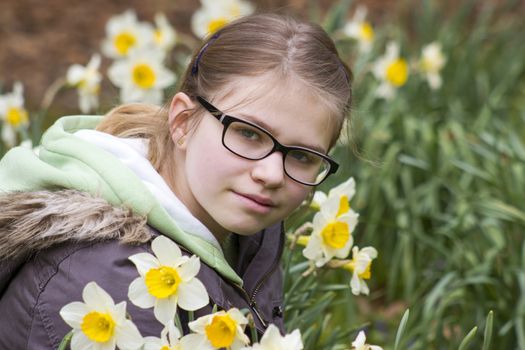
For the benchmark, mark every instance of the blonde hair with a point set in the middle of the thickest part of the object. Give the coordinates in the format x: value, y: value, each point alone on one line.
x: 250, y: 46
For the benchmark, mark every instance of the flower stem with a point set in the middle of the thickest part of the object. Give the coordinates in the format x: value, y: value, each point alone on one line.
x: 178, y: 323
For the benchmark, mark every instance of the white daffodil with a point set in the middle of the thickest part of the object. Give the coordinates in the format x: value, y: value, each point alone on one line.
x: 332, y: 232
x: 13, y: 114
x: 219, y: 330
x: 273, y: 340
x: 359, y: 343
x: 359, y: 29
x: 124, y: 32
x: 431, y: 62
x: 141, y: 76
x: 391, y: 70
x: 164, y: 36
x: 87, y: 81
x: 360, y: 267
x: 344, y: 191
x: 98, y: 323
x: 214, y: 14
x: 167, y: 280
x: 170, y: 339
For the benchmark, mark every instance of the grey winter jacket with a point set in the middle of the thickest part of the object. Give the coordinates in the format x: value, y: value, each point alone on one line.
x: 47, y: 256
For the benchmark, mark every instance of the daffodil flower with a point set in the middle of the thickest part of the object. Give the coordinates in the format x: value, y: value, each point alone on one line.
x: 273, y: 340
x: 344, y: 191
x: 218, y: 330
x: 170, y: 339
x: 141, y: 76
x: 87, y: 81
x: 359, y: 343
x: 123, y: 33
x: 332, y: 232
x: 391, y: 70
x: 431, y: 62
x: 164, y: 36
x: 13, y: 114
x: 360, y: 267
x: 213, y: 15
x: 359, y: 29
x: 167, y: 280
x: 98, y: 323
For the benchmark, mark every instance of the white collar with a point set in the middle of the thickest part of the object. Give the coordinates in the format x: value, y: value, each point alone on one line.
x: 133, y: 153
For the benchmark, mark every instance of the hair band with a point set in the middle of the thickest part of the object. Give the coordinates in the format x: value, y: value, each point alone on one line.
x: 195, y: 67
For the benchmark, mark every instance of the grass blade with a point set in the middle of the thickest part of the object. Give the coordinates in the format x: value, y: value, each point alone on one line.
x: 401, y: 328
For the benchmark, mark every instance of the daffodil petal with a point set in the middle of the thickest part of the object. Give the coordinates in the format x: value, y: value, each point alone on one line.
x: 144, y: 262
x: 80, y: 342
x: 128, y: 336
x: 139, y: 295
x: 96, y: 297
x: 165, y: 309
x: 195, y: 341
x: 73, y: 313
x: 189, y: 269
x: 166, y: 250
x: 192, y: 295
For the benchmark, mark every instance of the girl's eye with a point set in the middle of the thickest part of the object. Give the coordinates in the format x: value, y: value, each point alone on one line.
x: 302, y: 157
x: 248, y: 133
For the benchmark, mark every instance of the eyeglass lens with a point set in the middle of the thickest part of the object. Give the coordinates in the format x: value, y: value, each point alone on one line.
x: 253, y: 143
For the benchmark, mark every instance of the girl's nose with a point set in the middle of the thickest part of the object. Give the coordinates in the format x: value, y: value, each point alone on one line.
x: 269, y: 171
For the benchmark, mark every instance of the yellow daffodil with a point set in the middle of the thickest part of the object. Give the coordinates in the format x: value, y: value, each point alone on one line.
x: 431, y: 62
x: 332, y: 231
x: 13, y: 114
x: 170, y: 339
x: 359, y: 343
x: 167, y: 279
x: 273, y: 340
x: 221, y: 330
x: 141, y: 76
x: 87, y: 81
x: 124, y: 33
x: 360, y: 266
x: 100, y: 324
x: 361, y: 30
x: 164, y: 36
x: 391, y: 70
x: 214, y: 14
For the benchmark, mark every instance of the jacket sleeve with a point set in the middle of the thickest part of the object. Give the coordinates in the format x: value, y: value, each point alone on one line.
x: 56, y: 277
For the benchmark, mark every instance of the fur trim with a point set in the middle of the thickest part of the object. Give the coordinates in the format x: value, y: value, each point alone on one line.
x: 30, y: 221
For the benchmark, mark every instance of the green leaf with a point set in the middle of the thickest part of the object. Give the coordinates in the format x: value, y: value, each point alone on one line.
x: 401, y: 329
x: 468, y: 339
x: 488, y: 331
x: 336, y: 16
x: 65, y: 341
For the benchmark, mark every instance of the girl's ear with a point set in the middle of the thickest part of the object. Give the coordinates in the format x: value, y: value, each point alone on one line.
x: 179, y: 117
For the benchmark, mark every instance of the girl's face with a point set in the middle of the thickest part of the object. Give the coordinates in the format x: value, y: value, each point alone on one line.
x: 228, y: 193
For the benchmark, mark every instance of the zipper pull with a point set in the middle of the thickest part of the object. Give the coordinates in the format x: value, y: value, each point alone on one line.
x: 254, y: 307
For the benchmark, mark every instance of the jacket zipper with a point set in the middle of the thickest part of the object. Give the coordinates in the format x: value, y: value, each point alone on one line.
x: 259, y: 284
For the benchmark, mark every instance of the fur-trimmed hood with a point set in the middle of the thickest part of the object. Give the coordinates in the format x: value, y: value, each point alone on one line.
x: 31, y: 221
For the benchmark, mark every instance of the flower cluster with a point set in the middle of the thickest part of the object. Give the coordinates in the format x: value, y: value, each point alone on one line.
x: 332, y: 236
x: 391, y: 69
x: 167, y: 280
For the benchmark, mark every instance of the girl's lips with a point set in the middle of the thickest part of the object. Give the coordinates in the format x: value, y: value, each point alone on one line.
x: 256, y: 203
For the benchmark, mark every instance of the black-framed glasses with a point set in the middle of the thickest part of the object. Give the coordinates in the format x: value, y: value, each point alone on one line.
x: 250, y: 141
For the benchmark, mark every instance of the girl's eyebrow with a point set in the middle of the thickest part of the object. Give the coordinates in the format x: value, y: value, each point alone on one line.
x: 268, y: 128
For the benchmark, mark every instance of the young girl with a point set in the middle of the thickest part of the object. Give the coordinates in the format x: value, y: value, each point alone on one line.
x: 242, y: 144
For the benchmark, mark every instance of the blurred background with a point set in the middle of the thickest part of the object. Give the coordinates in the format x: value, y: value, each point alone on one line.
x: 436, y: 146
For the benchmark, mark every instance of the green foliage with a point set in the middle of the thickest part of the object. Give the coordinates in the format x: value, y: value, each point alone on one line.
x: 440, y: 190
